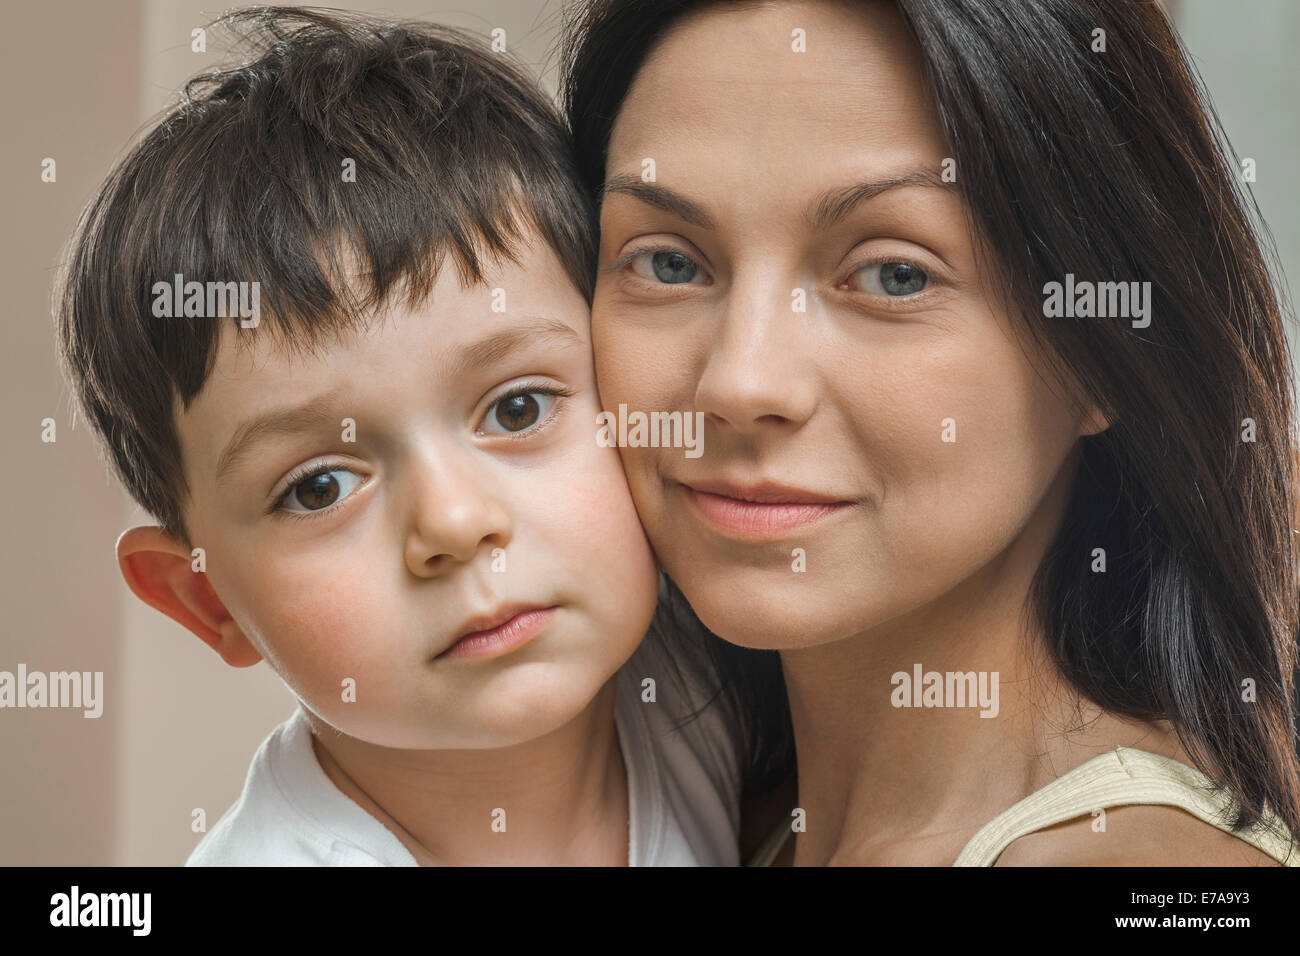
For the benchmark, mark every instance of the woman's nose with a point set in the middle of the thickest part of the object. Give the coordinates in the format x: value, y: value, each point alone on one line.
x: 759, y: 371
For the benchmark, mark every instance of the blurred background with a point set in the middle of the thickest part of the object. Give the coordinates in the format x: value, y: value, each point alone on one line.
x: 79, y: 81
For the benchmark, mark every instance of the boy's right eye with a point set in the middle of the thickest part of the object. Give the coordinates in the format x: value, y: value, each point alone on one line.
x: 318, y: 489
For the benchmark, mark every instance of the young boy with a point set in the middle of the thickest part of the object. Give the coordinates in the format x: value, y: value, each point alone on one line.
x: 330, y: 321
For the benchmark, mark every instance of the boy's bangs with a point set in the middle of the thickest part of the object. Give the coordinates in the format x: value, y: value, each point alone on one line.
x: 344, y: 163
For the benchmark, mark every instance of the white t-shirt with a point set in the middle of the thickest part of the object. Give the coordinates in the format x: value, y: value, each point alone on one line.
x: 683, y: 789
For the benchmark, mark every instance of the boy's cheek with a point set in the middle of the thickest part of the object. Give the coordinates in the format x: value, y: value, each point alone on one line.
x: 331, y: 638
x: 596, y: 526
x: 592, y: 503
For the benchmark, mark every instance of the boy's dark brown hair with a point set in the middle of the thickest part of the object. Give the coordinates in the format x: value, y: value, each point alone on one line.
x: 456, y: 153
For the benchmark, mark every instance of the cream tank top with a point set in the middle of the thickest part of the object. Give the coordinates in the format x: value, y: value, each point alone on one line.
x: 1121, y: 777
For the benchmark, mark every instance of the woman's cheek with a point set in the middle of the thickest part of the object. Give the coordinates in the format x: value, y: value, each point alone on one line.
x: 974, y: 490
x: 644, y: 370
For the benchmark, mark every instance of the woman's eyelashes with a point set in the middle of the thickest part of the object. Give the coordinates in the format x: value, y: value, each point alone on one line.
x: 662, y: 267
x: 896, y: 278
x: 668, y: 266
x: 523, y: 411
x: 891, y: 277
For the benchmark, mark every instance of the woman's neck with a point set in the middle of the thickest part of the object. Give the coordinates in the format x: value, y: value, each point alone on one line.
x: 886, y: 767
x: 895, y: 773
x: 564, y: 795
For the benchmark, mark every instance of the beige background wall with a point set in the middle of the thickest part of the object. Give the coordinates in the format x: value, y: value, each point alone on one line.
x: 79, y: 80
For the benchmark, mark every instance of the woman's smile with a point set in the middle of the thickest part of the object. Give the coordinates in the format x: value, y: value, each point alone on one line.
x: 759, y: 511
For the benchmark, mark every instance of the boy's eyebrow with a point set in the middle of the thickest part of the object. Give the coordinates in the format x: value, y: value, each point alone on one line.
x: 312, y: 413
x: 830, y: 208
x: 494, y: 347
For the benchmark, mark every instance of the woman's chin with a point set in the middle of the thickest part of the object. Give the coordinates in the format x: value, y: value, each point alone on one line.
x: 774, y: 619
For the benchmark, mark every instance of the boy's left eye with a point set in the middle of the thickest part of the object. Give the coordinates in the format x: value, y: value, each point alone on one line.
x: 518, y: 411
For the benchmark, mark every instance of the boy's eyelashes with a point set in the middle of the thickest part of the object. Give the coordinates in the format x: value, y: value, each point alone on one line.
x: 318, y: 486
x: 518, y: 413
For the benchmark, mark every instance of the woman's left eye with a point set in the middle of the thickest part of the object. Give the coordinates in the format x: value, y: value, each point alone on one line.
x: 518, y: 412
x: 890, y: 278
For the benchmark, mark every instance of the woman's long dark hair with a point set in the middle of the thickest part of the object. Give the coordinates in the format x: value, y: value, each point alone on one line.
x: 1111, y: 166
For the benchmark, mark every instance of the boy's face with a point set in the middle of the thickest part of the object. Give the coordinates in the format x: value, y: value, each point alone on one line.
x: 365, y: 559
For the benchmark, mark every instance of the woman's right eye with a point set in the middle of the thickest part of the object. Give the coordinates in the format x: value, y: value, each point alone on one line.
x: 667, y: 267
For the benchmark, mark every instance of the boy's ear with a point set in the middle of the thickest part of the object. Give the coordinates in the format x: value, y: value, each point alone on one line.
x: 157, y: 569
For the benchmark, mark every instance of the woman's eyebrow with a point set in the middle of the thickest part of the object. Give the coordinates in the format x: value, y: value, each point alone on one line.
x: 659, y: 196
x: 829, y: 209
x: 837, y: 203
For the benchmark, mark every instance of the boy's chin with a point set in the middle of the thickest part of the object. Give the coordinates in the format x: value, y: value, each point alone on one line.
x: 542, y: 707
x: 510, y: 707
x: 527, y: 712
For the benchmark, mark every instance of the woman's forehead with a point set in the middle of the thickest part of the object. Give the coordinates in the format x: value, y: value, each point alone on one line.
x: 730, y: 86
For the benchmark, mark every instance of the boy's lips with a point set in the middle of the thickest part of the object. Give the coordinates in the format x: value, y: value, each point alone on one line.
x: 498, y: 632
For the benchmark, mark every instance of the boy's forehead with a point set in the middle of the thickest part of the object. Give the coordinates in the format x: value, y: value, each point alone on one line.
x: 512, y: 295
x: 444, y: 341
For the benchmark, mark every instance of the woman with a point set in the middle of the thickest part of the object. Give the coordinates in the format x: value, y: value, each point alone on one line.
x: 998, y: 425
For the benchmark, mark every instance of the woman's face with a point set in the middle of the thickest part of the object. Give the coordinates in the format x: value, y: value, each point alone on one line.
x: 781, y: 254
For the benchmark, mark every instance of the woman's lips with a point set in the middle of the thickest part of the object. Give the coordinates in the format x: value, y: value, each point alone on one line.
x: 760, y: 511
x: 503, y: 638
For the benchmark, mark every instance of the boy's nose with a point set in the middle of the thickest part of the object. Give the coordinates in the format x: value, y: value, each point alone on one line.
x: 454, y: 517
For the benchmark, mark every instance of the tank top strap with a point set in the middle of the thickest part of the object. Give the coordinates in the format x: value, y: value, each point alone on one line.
x: 1122, y: 777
